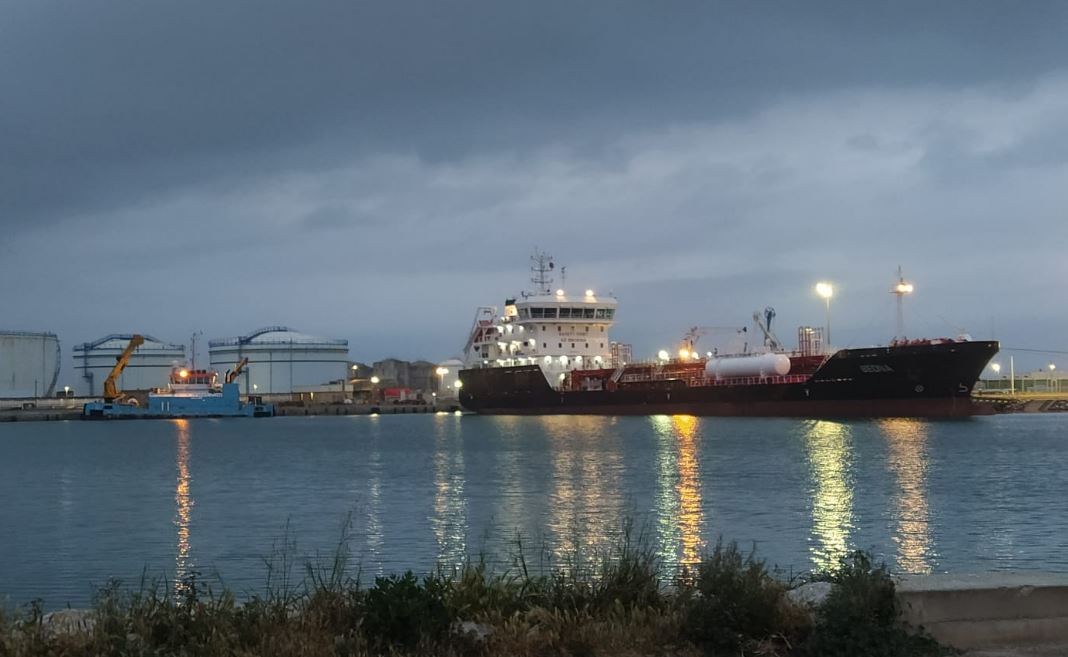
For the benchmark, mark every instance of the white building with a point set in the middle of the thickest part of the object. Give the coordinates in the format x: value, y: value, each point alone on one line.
x: 149, y: 367
x: 29, y: 364
x: 281, y: 360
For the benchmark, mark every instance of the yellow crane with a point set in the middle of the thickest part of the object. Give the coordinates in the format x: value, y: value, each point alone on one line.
x: 111, y: 391
x: 232, y: 375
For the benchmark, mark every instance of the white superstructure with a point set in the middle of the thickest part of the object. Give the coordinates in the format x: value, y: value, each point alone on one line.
x: 149, y: 367
x: 29, y: 364
x: 552, y: 328
x: 281, y: 359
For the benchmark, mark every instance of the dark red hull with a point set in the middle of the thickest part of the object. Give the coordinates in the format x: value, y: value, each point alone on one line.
x: 927, y: 380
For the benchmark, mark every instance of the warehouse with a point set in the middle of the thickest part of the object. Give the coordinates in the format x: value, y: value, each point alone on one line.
x: 149, y: 367
x: 29, y: 364
x: 281, y: 359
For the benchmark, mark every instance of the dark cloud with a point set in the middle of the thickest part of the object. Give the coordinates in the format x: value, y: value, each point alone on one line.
x: 344, y: 165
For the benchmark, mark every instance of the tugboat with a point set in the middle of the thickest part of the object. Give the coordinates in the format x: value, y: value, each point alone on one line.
x: 191, y: 393
x: 550, y: 353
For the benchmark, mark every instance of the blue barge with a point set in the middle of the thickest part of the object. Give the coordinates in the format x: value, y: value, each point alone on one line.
x: 190, y: 395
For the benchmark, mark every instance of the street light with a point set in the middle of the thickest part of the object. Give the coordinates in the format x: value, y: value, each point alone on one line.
x: 826, y: 290
x: 997, y: 369
x: 1051, y: 368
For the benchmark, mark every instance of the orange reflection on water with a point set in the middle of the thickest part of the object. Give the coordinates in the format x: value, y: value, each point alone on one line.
x: 183, y: 504
x: 679, y: 509
x: 907, y: 443
x: 689, y: 488
x: 830, y: 446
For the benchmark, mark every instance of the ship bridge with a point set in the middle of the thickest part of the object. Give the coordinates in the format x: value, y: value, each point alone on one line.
x: 557, y: 331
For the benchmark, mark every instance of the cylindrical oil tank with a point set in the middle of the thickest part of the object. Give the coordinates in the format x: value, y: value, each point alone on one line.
x: 149, y: 367
x: 29, y: 364
x: 738, y: 366
x: 281, y: 359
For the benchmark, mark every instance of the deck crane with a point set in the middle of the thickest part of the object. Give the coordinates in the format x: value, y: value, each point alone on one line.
x: 763, y: 322
x: 231, y: 376
x: 111, y: 391
x: 689, y: 340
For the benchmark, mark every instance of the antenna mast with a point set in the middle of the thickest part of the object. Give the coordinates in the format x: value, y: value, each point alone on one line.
x: 541, y: 272
x: 193, y: 349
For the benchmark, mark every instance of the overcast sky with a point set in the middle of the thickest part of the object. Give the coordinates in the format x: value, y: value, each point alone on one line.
x: 377, y: 171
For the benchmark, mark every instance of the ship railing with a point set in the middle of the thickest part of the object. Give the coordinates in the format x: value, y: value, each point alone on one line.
x: 702, y: 380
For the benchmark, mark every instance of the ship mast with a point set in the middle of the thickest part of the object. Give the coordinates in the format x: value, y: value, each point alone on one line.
x: 899, y: 290
x: 541, y: 272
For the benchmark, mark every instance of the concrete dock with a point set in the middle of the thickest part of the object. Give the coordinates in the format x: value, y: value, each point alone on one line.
x: 991, y: 615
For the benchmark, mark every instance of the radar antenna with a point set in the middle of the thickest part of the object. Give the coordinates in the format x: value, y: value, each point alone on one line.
x: 541, y: 272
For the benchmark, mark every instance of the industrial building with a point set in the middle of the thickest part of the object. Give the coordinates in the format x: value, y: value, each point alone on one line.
x: 29, y: 364
x: 281, y: 360
x: 149, y: 367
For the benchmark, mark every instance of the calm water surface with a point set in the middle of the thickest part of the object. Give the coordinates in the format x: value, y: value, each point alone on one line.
x: 84, y: 502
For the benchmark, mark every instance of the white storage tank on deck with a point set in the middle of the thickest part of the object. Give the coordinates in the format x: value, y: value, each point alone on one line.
x: 29, y: 364
x: 764, y: 365
x: 281, y: 359
x: 150, y: 365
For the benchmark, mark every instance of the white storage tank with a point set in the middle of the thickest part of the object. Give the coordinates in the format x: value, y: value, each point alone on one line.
x: 29, y: 364
x: 150, y: 365
x: 281, y: 359
x: 764, y: 365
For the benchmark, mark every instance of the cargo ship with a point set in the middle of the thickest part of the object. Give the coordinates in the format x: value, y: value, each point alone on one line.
x: 191, y: 393
x: 549, y: 352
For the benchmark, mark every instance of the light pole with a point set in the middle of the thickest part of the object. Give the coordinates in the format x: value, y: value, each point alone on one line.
x: 826, y: 290
x: 1051, y: 368
x: 997, y: 370
x: 902, y: 288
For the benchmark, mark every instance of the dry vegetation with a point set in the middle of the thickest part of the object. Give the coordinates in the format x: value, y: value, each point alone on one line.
x: 623, y: 604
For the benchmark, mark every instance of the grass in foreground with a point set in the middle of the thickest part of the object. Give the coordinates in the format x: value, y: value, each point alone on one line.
x: 729, y: 604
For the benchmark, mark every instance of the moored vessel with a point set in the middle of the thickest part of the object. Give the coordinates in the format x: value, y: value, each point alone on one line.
x: 189, y: 394
x: 549, y: 352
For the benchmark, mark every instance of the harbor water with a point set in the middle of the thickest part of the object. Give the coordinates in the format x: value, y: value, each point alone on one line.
x: 82, y: 502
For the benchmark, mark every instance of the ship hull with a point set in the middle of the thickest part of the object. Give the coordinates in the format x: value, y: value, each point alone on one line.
x: 926, y: 380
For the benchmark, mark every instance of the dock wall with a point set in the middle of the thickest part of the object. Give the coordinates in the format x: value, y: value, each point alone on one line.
x: 990, y: 610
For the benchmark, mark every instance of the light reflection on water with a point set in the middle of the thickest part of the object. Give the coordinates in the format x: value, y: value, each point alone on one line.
x: 908, y: 459
x: 679, y: 511
x: 183, y: 506
x: 450, y: 503
x: 829, y: 446
x: 586, y: 501
x: 84, y: 502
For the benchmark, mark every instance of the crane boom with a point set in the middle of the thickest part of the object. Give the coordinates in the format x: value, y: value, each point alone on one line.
x: 111, y: 391
x: 232, y: 375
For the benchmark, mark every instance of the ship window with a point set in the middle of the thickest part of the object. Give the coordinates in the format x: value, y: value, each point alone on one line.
x: 544, y: 345
x: 609, y: 313
x: 587, y: 329
x: 524, y: 313
x: 600, y: 313
x: 550, y: 313
x: 536, y: 313
x: 543, y: 327
x: 587, y: 345
x: 602, y: 345
x: 560, y: 345
x: 565, y: 313
x: 602, y: 329
x: 589, y: 313
x: 572, y: 345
